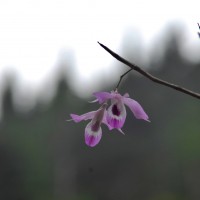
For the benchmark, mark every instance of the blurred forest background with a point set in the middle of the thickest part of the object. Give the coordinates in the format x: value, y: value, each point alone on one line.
x: 43, y: 157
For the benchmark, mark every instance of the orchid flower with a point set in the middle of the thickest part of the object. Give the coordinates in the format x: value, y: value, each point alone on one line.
x: 93, y: 131
x: 116, y: 113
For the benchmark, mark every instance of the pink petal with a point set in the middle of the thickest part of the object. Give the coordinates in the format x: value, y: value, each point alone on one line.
x: 86, y: 116
x: 115, y: 122
x: 102, y: 96
x: 92, y: 138
x: 136, y: 108
x: 105, y: 121
x: 116, y: 115
x: 126, y: 95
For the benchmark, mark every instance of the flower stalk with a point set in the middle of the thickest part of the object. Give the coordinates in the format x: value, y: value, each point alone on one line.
x: 121, y: 77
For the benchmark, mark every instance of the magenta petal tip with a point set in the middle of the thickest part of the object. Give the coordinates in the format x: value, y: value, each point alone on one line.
x: 92, y: 138
x: 75, y: 117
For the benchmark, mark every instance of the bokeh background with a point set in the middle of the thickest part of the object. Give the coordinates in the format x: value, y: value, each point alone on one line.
x: 43, y: 157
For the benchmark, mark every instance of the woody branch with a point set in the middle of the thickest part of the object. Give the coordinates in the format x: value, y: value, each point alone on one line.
x: 149, y: 76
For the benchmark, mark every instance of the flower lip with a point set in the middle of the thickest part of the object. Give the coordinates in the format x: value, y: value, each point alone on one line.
x: 91, y: 141
x: 92, y: 138
x: 115, y: 110
x: 116, y: 115
x: 95, y: 127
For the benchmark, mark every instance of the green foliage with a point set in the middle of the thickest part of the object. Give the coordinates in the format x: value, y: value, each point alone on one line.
x: 44, y: 157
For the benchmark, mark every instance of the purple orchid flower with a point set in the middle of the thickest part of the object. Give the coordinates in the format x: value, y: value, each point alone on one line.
x: 116, y: 113
x: 93, y: 131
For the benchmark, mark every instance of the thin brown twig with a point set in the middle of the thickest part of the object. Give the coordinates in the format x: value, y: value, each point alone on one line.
x: 149, y: 76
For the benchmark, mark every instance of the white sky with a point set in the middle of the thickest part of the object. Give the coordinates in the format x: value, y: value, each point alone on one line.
x: 34, y: 32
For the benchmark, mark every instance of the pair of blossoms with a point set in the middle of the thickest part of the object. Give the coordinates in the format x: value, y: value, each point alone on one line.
x: 113, y: 117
